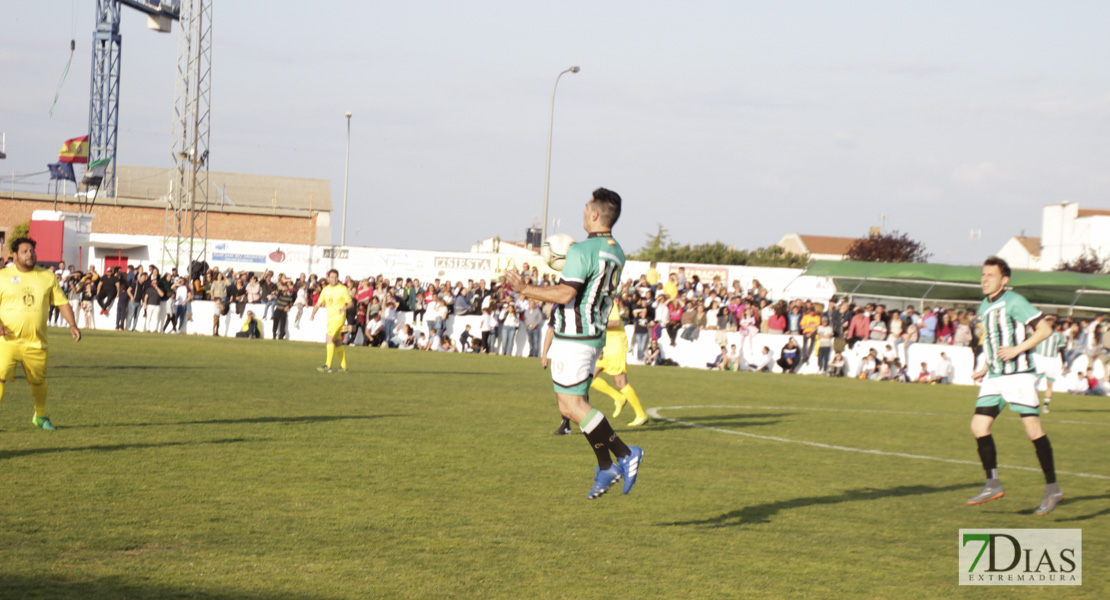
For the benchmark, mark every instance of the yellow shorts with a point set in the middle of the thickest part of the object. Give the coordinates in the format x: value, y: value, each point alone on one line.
x: 335, y: 329
x: 32, y: 359
x: 613, y: 356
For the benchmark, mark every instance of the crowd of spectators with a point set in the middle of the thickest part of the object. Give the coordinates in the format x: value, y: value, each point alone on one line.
x: 661, y: 312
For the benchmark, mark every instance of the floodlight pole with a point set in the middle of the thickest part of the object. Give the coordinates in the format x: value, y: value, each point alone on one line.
x: 550, y: 130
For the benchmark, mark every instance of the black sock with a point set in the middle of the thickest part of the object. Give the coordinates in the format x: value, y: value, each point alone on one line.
x: 1044, y: 454
x: 988, y: 456
x: 600, y: 450
x: 603, y: 440
x: 565, y: 424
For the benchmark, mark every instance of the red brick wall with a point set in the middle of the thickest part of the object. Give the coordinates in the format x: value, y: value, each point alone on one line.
x: 152, y: 221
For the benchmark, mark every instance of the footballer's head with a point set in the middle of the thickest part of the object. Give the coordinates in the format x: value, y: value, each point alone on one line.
x: 604, y: 208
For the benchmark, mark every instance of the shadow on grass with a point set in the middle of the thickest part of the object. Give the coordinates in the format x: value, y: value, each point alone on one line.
x: 1070, y: 500
x: 118, y: 587
x: 737, y: 421
x: 762, y: 513
x: 467, y: 373
x: 113, y: 447
x: 244, y: 421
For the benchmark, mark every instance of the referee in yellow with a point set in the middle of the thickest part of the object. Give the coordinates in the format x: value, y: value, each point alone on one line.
x: 27, y: 292
x: 337, y: 299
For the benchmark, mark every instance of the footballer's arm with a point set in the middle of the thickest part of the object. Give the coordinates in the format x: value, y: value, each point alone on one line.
x: 559, y: 294
x: 1044, y: 328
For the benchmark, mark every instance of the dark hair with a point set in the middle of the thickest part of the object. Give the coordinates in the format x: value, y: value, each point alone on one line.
x: 19, y: 241
x: 998, y: 262
x: 336, y: 271
x: 608, y: 203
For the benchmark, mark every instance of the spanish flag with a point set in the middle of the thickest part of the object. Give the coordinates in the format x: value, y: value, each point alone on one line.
x: 75, y: 151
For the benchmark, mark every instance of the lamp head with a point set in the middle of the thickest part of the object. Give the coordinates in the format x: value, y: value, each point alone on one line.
x: 575, y: 69
x: 348, y: 114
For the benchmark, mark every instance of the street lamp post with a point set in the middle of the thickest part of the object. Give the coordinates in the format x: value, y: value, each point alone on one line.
x: 550, y: 129
x: 346, y: 171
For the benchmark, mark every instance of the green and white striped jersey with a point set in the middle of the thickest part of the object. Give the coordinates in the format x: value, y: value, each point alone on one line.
x: 593, y: 269
x: 1051, y: 346
x: 1005, y: 321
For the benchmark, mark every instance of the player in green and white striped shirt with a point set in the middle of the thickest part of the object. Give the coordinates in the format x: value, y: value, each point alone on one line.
x: 583, y: 298
x: 1008, y: 378
x: 1046, y: 358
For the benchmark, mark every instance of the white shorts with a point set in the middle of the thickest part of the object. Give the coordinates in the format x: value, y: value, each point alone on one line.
x: 1048, y: 367
x: 572, y: 366
x: 1020, y: 388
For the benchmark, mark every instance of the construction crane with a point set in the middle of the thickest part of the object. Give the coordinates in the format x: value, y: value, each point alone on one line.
x: 187, y: 210
x: 187, y: 213
x: 104, y: 95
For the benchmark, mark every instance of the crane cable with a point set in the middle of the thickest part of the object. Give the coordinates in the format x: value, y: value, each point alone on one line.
x: 72, y: 47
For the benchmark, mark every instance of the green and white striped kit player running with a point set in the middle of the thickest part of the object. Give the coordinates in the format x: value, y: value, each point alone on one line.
x: 1012, y: 327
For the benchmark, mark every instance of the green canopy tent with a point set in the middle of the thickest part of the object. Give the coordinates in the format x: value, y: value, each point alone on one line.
x: 939, y: 283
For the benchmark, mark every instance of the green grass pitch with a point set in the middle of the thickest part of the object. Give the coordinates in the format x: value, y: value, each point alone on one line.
x: 189, y: 467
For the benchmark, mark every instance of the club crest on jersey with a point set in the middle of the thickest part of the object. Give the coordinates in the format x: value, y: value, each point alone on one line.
x: 16, y: 279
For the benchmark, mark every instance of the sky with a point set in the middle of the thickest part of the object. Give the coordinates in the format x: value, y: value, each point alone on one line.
x: 722, y: 121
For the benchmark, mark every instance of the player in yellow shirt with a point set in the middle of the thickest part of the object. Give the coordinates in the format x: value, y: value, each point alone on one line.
x: 337, y: 299
x: 613, y: 363
x: 27, y: 292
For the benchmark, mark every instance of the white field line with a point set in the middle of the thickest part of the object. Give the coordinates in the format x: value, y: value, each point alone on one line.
x: 655, y: 414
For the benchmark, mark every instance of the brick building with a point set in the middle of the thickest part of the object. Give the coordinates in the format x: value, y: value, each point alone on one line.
x: 253, y: 208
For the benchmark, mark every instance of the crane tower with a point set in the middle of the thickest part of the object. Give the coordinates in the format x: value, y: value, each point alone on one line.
x: 104, y: 92
x: 187, y: 215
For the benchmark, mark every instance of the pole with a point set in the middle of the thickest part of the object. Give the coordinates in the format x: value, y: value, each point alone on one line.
x: 550, y: 130
x: 346, y: 171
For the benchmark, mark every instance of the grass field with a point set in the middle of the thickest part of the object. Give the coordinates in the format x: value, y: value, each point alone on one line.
x: 218, y: 468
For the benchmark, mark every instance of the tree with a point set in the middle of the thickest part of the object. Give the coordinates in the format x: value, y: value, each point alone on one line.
x: 656, y: 247
x: 21, y: 229
x: 1089, y: 262
x: 659, y: 247
x: 893, y: 247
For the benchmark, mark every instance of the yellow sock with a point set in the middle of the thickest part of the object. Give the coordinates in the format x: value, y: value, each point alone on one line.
x: 603, y: 386
x: 342, y: 352
x: 38, y: 393
x: 634, y: 400
x: 331, y: 354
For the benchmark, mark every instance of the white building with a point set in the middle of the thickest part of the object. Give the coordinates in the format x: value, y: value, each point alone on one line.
x: 1022, y: 253
x: 1069, y: 232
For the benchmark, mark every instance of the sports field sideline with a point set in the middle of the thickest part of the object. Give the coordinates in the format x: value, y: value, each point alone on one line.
x: 189, y: 467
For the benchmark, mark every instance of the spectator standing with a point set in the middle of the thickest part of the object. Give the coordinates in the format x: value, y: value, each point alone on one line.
x: 123, y: 303
x: 286, y: 296
x: 824, y: 345
x: 809, y: 323
x: 533, y: 324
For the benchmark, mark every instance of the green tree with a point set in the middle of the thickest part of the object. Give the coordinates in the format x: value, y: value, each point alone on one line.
x: 21, y: 230
x: 893, y: 247
x: 660, y: 247
x: 657, y: 246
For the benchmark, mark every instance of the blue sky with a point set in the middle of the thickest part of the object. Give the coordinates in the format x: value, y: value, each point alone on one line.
x: 730, y: 121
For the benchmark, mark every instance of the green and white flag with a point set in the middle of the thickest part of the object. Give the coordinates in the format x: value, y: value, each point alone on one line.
x: 94, y: 174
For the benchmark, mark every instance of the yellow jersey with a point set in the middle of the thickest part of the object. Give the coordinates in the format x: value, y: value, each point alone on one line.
x: 336, y: 298
x: 25, y: 301
x: 612, y: 332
